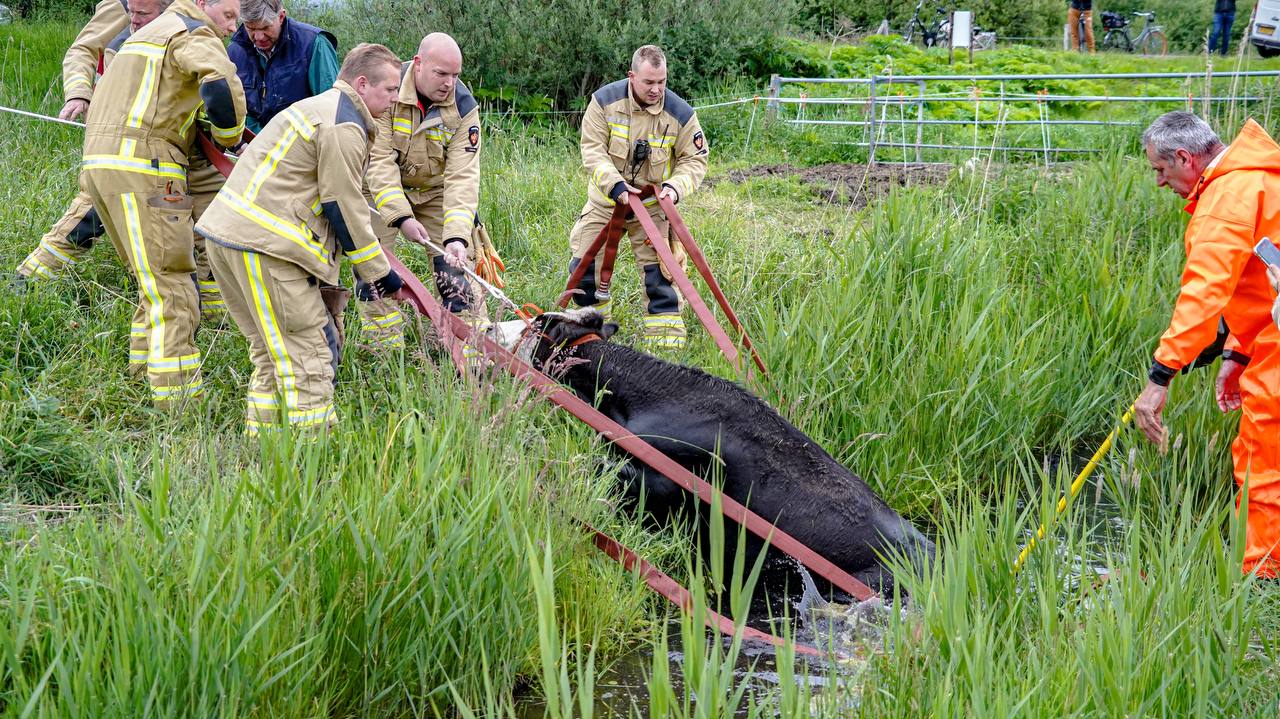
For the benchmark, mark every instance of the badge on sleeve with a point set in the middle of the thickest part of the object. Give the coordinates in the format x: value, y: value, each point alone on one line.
x: 473, y: 137
x: 699, y: 143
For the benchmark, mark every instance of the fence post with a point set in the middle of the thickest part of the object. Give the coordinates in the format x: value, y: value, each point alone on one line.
x: 919, y: 120
x: 775, y: 89
x: 871, y: 117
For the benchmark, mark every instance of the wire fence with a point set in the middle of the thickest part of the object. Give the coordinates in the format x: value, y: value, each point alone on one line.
x: 1045, y: 116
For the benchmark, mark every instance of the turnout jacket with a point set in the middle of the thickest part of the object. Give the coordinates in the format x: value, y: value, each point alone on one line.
x: 1235, y: 203
x: 421, y: 148
x: 143, y: 121
x: 84, y: 59
x: 615, y: 122
x: 296, y: 192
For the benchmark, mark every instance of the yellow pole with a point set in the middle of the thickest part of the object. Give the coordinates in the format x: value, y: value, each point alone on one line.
x: 1076, y: 485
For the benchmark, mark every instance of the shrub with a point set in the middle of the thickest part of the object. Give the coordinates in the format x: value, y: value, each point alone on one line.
x: 565, y: 49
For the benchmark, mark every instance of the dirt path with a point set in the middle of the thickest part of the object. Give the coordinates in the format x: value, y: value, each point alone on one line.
x: 850, y: 184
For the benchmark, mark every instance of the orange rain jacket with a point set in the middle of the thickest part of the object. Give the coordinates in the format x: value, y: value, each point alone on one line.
x: 1235, y: 203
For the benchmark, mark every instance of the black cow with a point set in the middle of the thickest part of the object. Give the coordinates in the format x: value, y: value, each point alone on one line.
x: 715, y: 428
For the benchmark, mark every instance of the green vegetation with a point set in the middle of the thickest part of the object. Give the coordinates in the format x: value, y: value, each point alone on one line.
x: 947, y: 342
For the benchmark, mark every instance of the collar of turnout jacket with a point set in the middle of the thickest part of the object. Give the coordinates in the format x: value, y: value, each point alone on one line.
x: 158, y: 81
x: 411, y: 116
x: 296, y: 192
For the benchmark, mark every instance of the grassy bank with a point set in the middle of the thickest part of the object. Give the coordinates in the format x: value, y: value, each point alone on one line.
x: 943, y: 342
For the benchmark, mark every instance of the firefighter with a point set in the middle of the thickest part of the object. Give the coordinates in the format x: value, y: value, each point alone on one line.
x: 1234, y: 200
x: 73, y: 234
x: 424, y: 182
x: 79, y: 228
x: 137, y: 139
x: 280, y: 60
x: 292, y: 207
x: 636, y: 132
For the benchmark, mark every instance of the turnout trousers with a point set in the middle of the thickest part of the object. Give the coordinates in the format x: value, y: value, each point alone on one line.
x: 663, y: 325
x: 293, y: 339
x: 74, y: 234
x: 147, y: 213
x: 1256, y: 454
x: 381, y: 323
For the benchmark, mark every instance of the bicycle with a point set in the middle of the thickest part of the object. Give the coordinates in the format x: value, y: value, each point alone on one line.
x: 935, y: 35
x: 1151, y: 41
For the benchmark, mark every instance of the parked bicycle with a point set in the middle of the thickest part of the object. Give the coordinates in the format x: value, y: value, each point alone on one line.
x: 1151, y: 41
x: 934, y: 35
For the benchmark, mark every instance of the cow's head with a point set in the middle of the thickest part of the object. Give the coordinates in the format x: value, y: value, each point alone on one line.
x: 550, y: 333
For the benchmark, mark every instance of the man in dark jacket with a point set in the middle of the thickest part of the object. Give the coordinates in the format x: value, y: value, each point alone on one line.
x: 1224, y: 13
x: 1080, y: 10
x: 279, y: 60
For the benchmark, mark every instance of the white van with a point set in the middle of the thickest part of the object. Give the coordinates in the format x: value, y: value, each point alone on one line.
x: 1265, y: 33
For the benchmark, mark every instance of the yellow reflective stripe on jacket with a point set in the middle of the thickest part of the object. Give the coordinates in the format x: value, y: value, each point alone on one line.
x: 80, y: 81
x: 299, y: 234
x: 462, y: 215
x: 228, y: 134
x: 187, y: 123
x: 617, y: 129
x: 439, y: 134
x: 154, y: 54
x: 402, y: 125
x: 316, y: 207
x: 134, y: 164
x: 598, y: 176
x: 364, y: 254
x: 269, y: 165
x: 386, y: 196
x: 662, y: 142
x: 300, y: 123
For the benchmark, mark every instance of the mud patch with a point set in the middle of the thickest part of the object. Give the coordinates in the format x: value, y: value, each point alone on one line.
x: 850, y: 184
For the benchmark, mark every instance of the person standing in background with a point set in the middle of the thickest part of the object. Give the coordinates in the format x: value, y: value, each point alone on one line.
x: 1224, y: 14
x: 1080, y: 9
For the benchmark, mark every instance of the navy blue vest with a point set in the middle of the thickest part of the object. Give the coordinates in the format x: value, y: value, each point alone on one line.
x: 284, y: 81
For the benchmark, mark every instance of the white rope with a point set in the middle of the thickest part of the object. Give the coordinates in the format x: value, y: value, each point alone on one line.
x: 488, y: 287
x: 38, y: 116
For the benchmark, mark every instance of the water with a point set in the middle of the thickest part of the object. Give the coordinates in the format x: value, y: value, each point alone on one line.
x: 853, y: 632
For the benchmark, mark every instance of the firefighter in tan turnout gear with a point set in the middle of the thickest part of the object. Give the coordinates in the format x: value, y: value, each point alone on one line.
x: 292, y: 208
x: 139, y: 134
x: 424, y: 180
x: 636, y: 132
x: 74, y: 233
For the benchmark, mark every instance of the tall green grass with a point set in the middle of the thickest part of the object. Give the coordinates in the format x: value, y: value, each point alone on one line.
x: 946, y: 343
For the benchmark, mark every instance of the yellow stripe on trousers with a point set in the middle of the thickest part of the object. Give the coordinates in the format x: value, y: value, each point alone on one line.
x: 287, y: 381
x: 146, y: 280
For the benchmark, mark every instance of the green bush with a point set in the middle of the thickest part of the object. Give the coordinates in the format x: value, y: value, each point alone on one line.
x: 1186, y: 22
x: 565, y: 49
x: 52, y: 9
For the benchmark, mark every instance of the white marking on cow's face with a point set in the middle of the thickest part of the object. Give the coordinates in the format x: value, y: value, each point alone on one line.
x: 507, y: 333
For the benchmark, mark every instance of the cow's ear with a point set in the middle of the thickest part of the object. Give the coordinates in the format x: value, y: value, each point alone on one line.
x: 607, y: 329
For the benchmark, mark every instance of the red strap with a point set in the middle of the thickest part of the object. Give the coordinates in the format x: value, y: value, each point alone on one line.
x: 608, y: 239
x: 681, y: 231
x: 679, y: 596
x: 447, y: 324
x: 214, y: 154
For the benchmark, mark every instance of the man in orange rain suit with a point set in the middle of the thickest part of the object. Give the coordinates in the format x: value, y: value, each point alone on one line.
x: 1234, y: 200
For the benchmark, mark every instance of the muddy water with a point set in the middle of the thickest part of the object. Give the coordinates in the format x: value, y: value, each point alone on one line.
x: 853, y: 631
